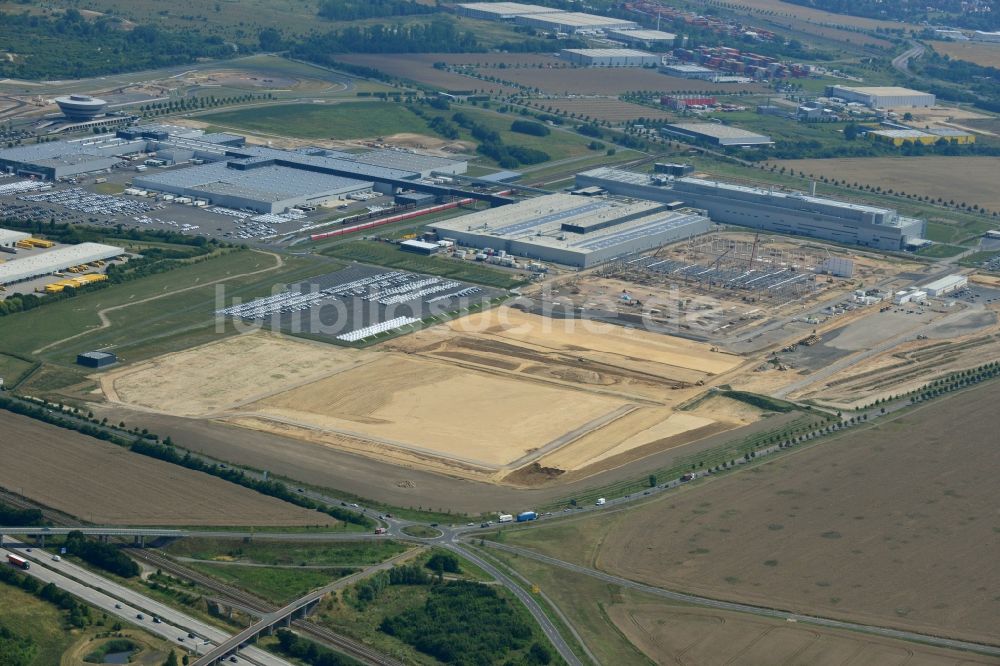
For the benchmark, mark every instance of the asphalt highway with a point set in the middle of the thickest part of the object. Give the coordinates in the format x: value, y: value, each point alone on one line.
x: 120, y: 601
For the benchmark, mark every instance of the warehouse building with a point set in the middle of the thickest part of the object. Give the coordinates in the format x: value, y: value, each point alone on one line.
x: 650, y: 39
x: 10, y: 238
x: 882, y: 97
x: 690, y: 72
x: 268, y: 180
x: 259, y: 185
x: 46, y: 263
x: 720, y: 135
x: 574, y: 22
x: 794, y: 213
x: 571, y: 230
x: 64, y: 159
x: 499, y: 11
x: 946, y: 285
x: 609, y: 57
x: 930, y: 137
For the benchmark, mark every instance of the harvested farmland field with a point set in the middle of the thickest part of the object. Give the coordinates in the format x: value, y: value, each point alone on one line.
x: 668, y: 635
x: 985, y: 54
x: 894, y: 526
x: 103, y: 483
x: 614, y: 81
x: 460, y: 398
x: 934, y: 176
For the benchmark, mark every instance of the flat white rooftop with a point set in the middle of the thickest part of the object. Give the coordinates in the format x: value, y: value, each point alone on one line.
x: 610, y: 53
x: 718, y: 131
x: 46, y: 263
x: 8, y: 236
x: 507, y: 8
x: 580, y: 20
x: 882, y: 90
x: 644, y: 35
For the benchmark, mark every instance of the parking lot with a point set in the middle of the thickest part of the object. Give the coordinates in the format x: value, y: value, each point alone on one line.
x: 81, y: 202
x: 359, y: 304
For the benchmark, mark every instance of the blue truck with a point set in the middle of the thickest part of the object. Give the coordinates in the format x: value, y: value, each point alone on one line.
x: 526, y: 516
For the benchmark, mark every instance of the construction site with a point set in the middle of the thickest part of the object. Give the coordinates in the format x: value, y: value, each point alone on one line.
x: 715, y: 287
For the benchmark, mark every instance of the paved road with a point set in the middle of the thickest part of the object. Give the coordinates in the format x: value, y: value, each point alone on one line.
x: 746, y: 608
x: 547, y: 626
x: 902, y: 62
x: 120, y: 601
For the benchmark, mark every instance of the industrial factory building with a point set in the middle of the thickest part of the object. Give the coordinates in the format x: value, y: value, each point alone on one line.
x: 499, y: 11
x: 269, y: 180
x: 929, y: 137
x: 649, y: 39
x: 46, y: 263
x: 574, y: 22
x: 262, y: 186
x: 572, y: 230
x: 609, y: 57
x: 720, y: 135
x: 696, y: 72
x: 64, y: 159
x: 882, y: 97
x: 794, y: 213
x: 946, y: 285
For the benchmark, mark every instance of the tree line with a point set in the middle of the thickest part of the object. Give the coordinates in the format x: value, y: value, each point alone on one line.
x: 70, y: 46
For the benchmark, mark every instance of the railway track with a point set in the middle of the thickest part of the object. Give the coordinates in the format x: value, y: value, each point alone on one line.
x: 260, y: 606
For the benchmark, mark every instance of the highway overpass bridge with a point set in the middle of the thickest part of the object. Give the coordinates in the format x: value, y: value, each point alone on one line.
x: 137, y: 534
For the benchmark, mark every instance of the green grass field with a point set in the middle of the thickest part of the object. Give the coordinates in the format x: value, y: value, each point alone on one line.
x: 13, y: 369
x: 359, y: 553
x: 276, y: 585
x: 27, y: 615
x: 941, y: 251
x: 348, y: 120
x: 156, y: 309
x: 384, y: 254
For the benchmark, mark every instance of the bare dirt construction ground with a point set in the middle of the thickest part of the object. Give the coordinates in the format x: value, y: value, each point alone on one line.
x: 104, y: 483
x: 484, y: 397
x: 894, y: 526
x: 987, y: 55
x: 672, y: 635
x: 190, y: 383
x: 611, y: 110
x: 969, y: 179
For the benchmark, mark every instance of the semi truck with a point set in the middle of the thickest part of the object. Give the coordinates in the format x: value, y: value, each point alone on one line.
x: 18, y: 562
x: 505, y: 518
x: 526, y: 516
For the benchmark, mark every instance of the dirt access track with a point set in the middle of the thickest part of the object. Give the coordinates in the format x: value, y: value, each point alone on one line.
x: 109, y: 485
x: 463, y: 399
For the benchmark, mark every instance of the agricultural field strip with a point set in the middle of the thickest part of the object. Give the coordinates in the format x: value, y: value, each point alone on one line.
x: 747, y: 608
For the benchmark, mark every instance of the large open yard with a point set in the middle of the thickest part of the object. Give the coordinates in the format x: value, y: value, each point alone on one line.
x: 893, y: 525
x: 969, y: 179
x: 460, y: 398
x: 107, y: 484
